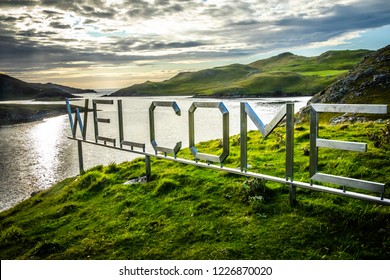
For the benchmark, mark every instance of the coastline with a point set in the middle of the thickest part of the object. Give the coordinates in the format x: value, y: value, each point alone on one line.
x: 216, y: 96
x: 11, y: 114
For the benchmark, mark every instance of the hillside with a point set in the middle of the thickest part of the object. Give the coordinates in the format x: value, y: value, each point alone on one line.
x: 15, y: 89
x: 281, y: 75
x: 72, y: 90
x: 367, y: 83
x: 11, y: 88
x: 185, y: 212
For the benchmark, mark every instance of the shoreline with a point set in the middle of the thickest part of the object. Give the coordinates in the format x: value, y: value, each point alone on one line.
x: 11, y: 114
x: 217, y: 96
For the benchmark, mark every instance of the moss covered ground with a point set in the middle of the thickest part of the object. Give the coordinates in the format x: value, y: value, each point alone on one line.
x: 185, y: 212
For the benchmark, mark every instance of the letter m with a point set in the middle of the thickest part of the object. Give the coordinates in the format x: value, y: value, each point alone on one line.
x: 288, y: 111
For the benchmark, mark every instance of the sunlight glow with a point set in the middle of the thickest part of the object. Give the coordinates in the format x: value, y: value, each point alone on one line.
x: 46, y: 137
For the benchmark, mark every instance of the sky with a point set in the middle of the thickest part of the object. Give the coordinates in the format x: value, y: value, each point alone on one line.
x: 114, y: 44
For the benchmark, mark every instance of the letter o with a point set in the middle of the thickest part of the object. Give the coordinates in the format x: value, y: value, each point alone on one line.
x: 156, y: 147
x: 225, y: 129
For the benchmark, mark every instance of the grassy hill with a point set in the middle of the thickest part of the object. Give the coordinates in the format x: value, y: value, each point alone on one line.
x: 284, y: 74
x: 186, y: 212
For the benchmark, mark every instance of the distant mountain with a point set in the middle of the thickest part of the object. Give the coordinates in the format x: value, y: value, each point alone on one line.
x: 50, y: 86
x: 53, y: 94
x: 11, y: 88
x: 281, y: 75
x: 14, y: 89
x: 367, y: 83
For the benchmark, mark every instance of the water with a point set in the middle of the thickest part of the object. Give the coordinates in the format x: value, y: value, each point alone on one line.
x: 33, y: 156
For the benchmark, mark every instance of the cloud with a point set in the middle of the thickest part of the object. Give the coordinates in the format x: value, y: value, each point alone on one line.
x: 7, y: 19
x: 50, y: 13
x: 59, y: 25
x: 62, y: 33
x: 171, y: 45
x: 19, y: 3
x: 245, y: 22
x: 342, y: 18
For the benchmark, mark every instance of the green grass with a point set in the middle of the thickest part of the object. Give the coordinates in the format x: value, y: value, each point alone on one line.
x: 324, y: 73
x: 186, y: 212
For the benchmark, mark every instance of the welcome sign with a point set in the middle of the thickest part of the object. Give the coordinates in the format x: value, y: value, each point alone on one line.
x: 216, y: 161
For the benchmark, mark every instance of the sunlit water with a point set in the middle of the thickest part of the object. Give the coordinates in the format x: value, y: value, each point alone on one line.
x: 35, y: 155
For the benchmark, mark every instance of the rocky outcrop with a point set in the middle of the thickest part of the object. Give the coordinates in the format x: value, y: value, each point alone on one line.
x: 367, y: 83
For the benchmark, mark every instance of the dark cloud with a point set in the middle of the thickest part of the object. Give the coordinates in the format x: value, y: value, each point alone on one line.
x: 90, y: 21
x: 18, y: 3
x: 51, y: 13
x: 89, y: 8
x: 59, y: 25
x: 343, y: 18
x: 171, y: 45
x: 7, y: 19
x: 142, y: 9
x: 161, y: 2
x: 143, y: 12
x: 27, y: 33
x: 233, y: 10
x: 130, y: 44
x: 60, y: 4
x: 255, y: 32
x: 245, y: 22
x: 104, y: 12
x: 174, y: 9
x: 21, y: 52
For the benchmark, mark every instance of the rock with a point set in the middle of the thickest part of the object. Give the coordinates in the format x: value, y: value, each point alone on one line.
x: 346, y: 118
x: 367, y: 83
x: 139, y: 180
x: 34, y: 193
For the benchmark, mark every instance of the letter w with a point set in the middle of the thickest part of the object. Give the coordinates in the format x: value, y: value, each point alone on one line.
x: 77, y: 119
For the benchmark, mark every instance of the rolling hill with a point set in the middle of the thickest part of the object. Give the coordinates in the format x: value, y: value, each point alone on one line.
x: 281, y: 75
x: 15, y: 89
